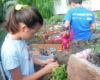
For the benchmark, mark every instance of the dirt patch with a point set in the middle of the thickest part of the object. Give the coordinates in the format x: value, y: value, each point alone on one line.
x: 77, y: 46
x: 62, y: 57
x: 95, y: 31
x: 47, y: 76
x: 80, y: 45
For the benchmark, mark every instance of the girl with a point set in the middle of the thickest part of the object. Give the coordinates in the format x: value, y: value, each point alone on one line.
x: 22, y: 23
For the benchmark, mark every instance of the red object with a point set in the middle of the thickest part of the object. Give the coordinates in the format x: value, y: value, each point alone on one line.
x: 71, y: 34
x: 55, y: 61
x: 65, y: 42
x: 66, y: 38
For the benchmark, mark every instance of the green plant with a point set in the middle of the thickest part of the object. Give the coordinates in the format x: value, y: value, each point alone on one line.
x: 41, y: 30
x: 96, y: 51
x: 55, y: 19
x: 59, y: 73
x: 97, y: 13
x: 84, y: 0
x: 45, y: 7
x: 38, y: 39
x: 3, y: 8
x: 95, y: 47
x: 32, y: 40
x: 3, y: 33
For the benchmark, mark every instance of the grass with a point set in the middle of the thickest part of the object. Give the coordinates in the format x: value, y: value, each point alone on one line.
x: 2, y: 34
x: 55, y: 19
x: 98, y: 14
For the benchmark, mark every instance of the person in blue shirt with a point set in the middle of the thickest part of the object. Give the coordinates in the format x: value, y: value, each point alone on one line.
x: 81, y: 19
x: 22, y: 23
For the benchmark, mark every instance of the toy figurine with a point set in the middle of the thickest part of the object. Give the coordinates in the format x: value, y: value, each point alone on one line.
x: 65, y: 41
x: 85, y: 54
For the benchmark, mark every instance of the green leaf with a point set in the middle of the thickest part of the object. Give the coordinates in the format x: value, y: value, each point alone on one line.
x: 45, y: 7
x: 10, y: 5
x: 59, y: 73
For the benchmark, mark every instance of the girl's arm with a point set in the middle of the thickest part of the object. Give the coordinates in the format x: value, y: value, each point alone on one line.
x: 36, y: 61
x: 41, y: 62
x: 16, y: 73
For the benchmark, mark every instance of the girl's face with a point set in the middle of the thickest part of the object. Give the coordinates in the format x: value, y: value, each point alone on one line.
x: 27, y: 32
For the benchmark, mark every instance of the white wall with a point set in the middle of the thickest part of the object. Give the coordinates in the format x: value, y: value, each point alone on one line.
x: 92, y: 5
x: 61, y: 8
x: 87, y: 4
x: 95, y: 4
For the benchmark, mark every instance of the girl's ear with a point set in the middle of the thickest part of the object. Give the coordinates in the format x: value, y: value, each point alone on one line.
x: 23, y: 27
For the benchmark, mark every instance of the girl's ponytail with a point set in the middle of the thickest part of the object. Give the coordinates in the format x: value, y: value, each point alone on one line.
x: 11, y: 23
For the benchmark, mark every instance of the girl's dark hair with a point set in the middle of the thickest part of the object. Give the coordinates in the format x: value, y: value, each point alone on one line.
x: 27, y: 15
x: 75, y: 1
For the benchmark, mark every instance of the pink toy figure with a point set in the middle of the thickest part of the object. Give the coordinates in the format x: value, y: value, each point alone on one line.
x: 86, y: 54
x: 71, y: 34
x: 65, y: 41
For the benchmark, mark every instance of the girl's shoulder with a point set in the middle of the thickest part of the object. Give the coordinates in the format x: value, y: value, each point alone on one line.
x: 11, y: 47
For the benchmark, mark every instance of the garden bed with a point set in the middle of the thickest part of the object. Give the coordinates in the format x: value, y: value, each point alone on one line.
x: 81, y: 69
x: 40, y: 47
x: 61, y: 57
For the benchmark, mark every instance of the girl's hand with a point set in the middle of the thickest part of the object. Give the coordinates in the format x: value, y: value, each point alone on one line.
x: 48, y: 68
x: 45, y: 62
x: 50, y: 60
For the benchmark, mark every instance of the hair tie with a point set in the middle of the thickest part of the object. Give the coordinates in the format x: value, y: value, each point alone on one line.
x: 19, y: 7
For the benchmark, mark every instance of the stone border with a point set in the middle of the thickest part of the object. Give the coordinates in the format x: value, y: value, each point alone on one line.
x: 81, y: 69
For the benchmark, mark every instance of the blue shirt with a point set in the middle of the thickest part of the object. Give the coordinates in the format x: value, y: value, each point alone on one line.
x: 80, y: 19
x: 15, y: 53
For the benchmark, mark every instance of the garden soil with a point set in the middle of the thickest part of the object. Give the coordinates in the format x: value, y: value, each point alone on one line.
x: 62, y: 57
x: 74, y: 47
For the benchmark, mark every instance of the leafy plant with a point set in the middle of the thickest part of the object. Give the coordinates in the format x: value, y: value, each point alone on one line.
x: 95, y: 47
x: 97, y: 13
x: 41, y: 30
x: 84, y: 0
x: 59, y: 73
x: 32, y: 40
x: 45, y: 7
x: 3, y: 8
x: 96, y: 50
x: 55, y: 19
x: 38, y: 39
x: 3, y: 33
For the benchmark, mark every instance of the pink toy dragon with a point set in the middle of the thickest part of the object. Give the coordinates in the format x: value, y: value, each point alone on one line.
x: 66, y: 40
